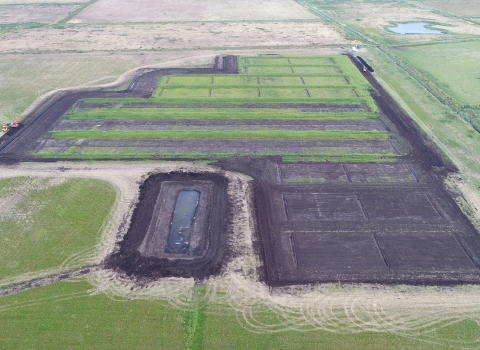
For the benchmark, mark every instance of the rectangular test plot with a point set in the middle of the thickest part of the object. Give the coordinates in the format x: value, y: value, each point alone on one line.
x: 379, y: 173
x: 187, y: 80
x: 434, y: 252
x: 313, y: 173
x: 322, y: 206
x: 334, y: 251
x: 384, y: 205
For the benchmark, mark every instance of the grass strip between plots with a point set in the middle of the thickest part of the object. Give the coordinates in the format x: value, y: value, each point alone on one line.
x: 224, y: 134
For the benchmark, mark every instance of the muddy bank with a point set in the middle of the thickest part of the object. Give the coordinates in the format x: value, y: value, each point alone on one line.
x: 130, y: 261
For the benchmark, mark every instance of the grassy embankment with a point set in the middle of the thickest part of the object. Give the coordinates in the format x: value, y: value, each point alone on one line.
x: 311, y: 80
x: 50, y: 224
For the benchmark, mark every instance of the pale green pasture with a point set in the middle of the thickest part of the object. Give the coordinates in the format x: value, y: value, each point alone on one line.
x: 325, y: 80
x: 24, y: 78
x: 265, y: 70
x: 315, y: 70
x: 264, y: 60
x: 234, y: 80
x: 330, y: 93
x: 50, y: 222
x: 454, y: 67
x: 66, y: 315
x: 283, y: 92
x: 280, y: 81
x: 188, y: 80
x: 212, y: 113
x: 285, y: 60
x: 184, y: 93
x: 234, y: 93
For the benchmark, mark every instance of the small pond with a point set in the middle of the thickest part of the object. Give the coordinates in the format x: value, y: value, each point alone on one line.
x: 413, y: 28
x: 181, y: 226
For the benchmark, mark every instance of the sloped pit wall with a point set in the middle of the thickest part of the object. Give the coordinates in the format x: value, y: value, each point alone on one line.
x: 143, y: 250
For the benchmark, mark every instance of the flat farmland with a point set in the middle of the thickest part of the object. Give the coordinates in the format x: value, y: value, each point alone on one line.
x: 454, y: 70
x: 34, y: 13
x: 238, y: 98
x: 468, y: 8
x: 344, y: 191
x: 191, y: 10
x: 44, y: 227
x: 170, y: 36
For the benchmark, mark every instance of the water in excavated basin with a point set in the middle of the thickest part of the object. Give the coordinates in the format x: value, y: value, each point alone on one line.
x: 182, y: 223
x: 413, y: 28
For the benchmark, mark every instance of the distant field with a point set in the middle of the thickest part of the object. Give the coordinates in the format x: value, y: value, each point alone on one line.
x: 460, y: 7
x: 453, y: 67
x: 18, y: 89
x: 46, y: 222
x: 190, y: 10
x: 38, y: 13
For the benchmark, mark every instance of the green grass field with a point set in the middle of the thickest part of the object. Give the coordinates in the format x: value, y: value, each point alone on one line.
x: 453, y: 67
x: 18, y: 89
x: 51, y: 224
x: 212, y: 114
x: 65, y: 315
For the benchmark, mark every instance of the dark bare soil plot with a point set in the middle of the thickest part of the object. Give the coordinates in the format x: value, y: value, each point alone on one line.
x: 336, y: 251
x: 350, y: 172
x: 313, y: 173
x: 143, y: 252
x: 322, y: 206
x: 218, y: 124
x: 437, y: 252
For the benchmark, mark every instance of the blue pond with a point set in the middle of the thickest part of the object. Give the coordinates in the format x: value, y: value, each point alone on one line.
x: 413, y: 28
x: 182, y: 222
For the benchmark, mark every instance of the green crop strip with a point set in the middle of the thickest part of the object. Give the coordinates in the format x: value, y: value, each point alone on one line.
x: 224, y: 134
x: 212, y: 113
